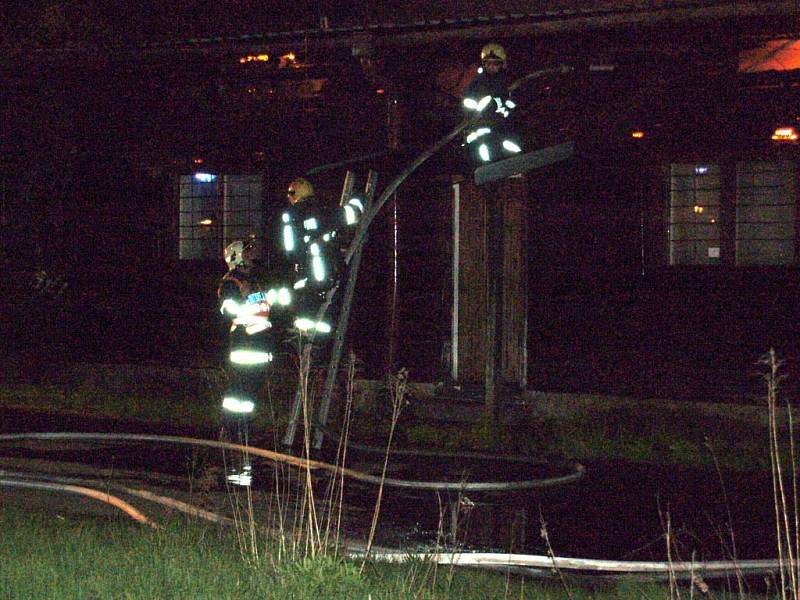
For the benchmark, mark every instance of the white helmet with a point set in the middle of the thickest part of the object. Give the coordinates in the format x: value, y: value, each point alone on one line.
x: 234, y: 254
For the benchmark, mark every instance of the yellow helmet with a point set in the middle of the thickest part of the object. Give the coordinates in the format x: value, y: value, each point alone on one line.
x: 300, y: 189
x: 240, y: 252
x: 493, y: 52
x: 234, y: 254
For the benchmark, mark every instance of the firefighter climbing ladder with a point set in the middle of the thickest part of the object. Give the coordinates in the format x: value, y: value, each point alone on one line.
x: 355, y: 246
x: 353, y: 261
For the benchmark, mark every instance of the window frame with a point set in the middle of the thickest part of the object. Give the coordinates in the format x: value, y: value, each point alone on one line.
x: 728, y: 220
x: 229, y: 220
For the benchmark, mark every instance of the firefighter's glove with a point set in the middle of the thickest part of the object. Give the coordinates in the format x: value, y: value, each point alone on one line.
x: 230, y: 306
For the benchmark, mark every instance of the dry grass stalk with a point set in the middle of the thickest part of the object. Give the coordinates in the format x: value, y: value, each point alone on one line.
x: 546, y: 537
x: 666, y: 526
x: 243, y: 518
x: 398, y: 386
x: 733, y: 552
x: 311, y: 529
x: 787, y: 539
x: 336, y: 490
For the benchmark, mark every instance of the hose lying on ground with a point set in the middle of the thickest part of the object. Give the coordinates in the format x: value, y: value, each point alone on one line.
x: 82, y: 491
x: 538, y: 564
x: 460, y: 454
x: 576, y: 470
x: 523, y: 563
x: 183, y: 507
x: 306, y: 463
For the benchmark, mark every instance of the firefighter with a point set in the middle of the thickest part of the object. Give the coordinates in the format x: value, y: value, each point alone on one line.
x: 313, y: 236
x: 487, y: 98
x: 243, y: 302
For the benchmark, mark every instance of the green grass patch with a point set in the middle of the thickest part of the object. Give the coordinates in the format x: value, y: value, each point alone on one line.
x: 618, y: 434
x: 168, y: 408
x: 649, y: 434
x: 47, y: 556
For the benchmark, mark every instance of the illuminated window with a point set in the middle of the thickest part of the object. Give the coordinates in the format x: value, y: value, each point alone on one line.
x: 199, y: 202
x: 214, y: 211
x: 694, y: 228
x: 765, y: 213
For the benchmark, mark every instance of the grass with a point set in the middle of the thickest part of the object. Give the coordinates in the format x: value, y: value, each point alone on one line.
x: 645, y: 432
x: 620, y: 434
x: 171, y: 408
x: 47, y: 556
x: 58, y: 556
x: 681, y: 437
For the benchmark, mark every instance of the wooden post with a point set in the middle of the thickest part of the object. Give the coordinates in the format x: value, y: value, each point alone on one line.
x: 490, y: 253
x: 469, y: 286
x: 514, y: 344
x: 494, y: 300
x: 519, y: 528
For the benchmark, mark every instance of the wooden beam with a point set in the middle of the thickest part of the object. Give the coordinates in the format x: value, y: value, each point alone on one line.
x: 524, y: 163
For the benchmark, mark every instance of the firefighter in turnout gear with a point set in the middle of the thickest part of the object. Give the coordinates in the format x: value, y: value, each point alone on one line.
x: 487, y: 98
x: 312, y: 237
x: 243, y: 303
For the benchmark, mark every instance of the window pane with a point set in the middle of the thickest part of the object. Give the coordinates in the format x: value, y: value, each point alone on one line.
x: 694, y: 214
x: 765, y: 213
x: 198, y: 230
x: 234, y: 219
x: 757, y: 252
x: 186, y: 248
x: 239, y: 233
x: 783, y: 214
x: 242, y: 207
x: 215, y: 213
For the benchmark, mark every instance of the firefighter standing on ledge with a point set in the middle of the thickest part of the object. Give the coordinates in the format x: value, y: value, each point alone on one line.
x: 488, y: 96
x: 243, y: 302
x: 312, y: 237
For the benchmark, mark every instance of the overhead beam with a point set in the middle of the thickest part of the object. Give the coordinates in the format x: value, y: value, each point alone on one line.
x: 439, y: 32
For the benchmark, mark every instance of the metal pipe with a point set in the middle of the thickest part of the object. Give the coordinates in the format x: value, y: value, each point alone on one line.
x: 454, y: 333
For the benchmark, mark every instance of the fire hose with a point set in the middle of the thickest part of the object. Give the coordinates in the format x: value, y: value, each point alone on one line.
x: 525, y: 563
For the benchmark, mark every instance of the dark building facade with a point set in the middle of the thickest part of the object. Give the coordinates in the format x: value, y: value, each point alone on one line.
x: 660, y: 260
